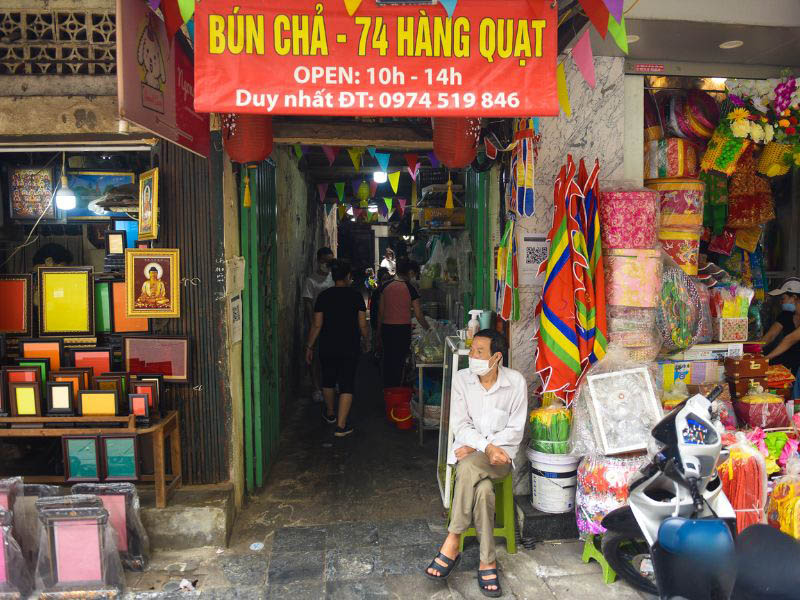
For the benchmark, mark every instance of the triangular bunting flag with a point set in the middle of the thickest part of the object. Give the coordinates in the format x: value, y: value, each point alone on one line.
x: 322, y: 188
x: 388, y: 202
x: 339, y: 190
x: 563, y: 96
x: 172, y: 17
x: 382, y: 210
x: 352, y: 6
x: 394, y: 180
x: 617, y: 30
x: 449, y: 6
x: 582, y: 55
x: 154, y: 3
x: 383, y: 160
x: 402, y: 203
x: 187, y: 9
x: 355, y: 156
x: 491, y: 149
x: 434, y: 161
x: 413, y: 173
x: 342, y: 211
x: 412, y: 160
x: 190, y: 28
x: 330, y: 153
x: 356, y: 183
x: 358, y: 213
x: 329, y: 208
x: 298, y: 151
x: 373, y: 188
x: 371, y: 150
x: 615, y: 8
x: 598, y: 15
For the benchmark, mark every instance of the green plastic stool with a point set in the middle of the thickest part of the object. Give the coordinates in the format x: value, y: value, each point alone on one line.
x: 503, y: 515
x: 591, y: 551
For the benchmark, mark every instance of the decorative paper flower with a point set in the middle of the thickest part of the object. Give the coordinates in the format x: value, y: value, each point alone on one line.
x: 783, y: 94
x: 757, y: 132
x: 740, y: 128
x: 791, y: 130
x: 769, y: 133
x: 738, y: 113
x: 797, y: 159
x: 793, y: 120
x: 783, y: 122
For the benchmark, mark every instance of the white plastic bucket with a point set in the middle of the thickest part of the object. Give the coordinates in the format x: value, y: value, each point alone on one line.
x: 553, y: 481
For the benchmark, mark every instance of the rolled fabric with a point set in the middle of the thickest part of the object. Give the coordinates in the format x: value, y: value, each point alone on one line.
x: 680, y: 202
x: 683, y: 246
x: 703, y: 112
x: 633, y: 277
x: 671, y: 157
x: 629, y: 218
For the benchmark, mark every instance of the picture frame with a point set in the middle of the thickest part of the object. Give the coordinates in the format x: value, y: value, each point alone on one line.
x: 149, y: 389
x: 113, y: 382
x: 623, y: 408
x: 129, y: 226
x: 103, y: 310
x: 99, y: 360
x: 116, y: 242
x: 97, y: 403
x: 121, y: 322
x: 31, y: 194
x: 84, y: 375
x: 43, y: 364
x: 25, y: 399
x: 60, y: 399
x: 148, y: 205
x: 75, y: 381
x: 21, y: 375
x: 152, y: 279
x: 119, y: 457
x: 124, y: 380
x: 158, y: 379
x: 167, y: 356
x: 17, y: 301
x: 81, y: 458
x: 4, y: 406
x: 139, y: 406
x: 89, y: 187
x: 36, y: 348
x: 66, y: 301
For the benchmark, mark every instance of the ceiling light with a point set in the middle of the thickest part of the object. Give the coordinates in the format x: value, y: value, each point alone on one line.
x: 719, y: 80
x: 65, y: 197
x: 373, y: 208
x: 731, y: 44
x: 632, y: 39
x: 380, y: 176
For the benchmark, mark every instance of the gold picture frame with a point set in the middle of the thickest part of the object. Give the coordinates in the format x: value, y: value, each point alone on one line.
x: 148, y: 205
x: 152, y: 282
x: 66, y: 301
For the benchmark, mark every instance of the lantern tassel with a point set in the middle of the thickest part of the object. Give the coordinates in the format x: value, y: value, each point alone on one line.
x: 246, y: 201
x: 449, y: 202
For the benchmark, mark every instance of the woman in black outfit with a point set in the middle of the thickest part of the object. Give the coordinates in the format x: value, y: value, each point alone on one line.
x: 787, y: 351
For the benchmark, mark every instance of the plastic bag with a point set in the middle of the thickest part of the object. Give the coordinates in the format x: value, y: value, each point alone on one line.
x: 77, y: 548
x: 15, y: 578
x: 635, y: 329
x: 602, y: 487
x: 615, y: 407
x: 704, y: 327
x: 550, y: 428
x: 122, y: 503
x: 783, y: 510
x: 678, y: 313
x: 26, y: 519
x: 760, y: 409
x: 744, y: 481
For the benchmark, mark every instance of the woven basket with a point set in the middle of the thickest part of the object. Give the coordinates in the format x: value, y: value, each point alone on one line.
x: 771, y: 162
x: 723, y: 152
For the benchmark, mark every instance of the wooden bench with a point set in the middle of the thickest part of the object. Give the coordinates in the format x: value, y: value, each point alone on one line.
x: 158, y: 430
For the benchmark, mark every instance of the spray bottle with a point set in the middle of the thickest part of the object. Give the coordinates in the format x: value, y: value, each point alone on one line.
x: 474, y: 326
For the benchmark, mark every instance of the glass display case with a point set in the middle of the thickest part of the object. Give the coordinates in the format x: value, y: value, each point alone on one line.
x: 455, y: 358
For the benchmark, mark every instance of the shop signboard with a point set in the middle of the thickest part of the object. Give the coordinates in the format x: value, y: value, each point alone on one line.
x: 490, y: 58
x: 155, y: 79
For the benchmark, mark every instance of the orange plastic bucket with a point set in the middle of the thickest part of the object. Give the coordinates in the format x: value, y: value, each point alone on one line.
x: 394, y: 397
x: 401, y: 416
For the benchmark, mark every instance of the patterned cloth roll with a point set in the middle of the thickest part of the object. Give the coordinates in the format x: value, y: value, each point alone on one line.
x: 633, y: 277
x: 629, y: 218
x: 672, y: 157
x: 680, y: 202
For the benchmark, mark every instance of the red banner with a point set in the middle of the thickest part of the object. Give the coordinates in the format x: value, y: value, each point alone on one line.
x: 491, y: 58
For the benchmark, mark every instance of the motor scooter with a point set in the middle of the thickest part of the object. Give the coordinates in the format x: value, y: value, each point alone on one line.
x: 676, y: 538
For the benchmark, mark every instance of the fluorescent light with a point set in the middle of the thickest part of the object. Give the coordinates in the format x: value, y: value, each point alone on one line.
x: 731, y: 44
x: 380, y: 176
x: 632, y: 39
x: 719, y: 80
x: 373, y: 208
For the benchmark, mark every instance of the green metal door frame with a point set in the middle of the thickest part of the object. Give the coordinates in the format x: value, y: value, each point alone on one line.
x: 477, y: 222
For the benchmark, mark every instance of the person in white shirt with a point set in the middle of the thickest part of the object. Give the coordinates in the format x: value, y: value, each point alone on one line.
x: 315, y: 283
x: 388, y: 261
x: 489, y: 409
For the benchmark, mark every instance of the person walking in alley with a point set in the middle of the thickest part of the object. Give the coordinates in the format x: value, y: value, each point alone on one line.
x: 315, y: 283
x: 489, y: 408
x: 388, y: 261
x: 397, y: 300
x: 340, y: 323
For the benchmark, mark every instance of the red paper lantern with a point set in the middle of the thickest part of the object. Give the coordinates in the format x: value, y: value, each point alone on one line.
x: 247, y: 138
x: 455, y: 140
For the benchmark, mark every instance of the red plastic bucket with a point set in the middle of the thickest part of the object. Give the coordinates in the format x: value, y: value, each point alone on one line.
x: 394, y: 397
x: 401, y: 415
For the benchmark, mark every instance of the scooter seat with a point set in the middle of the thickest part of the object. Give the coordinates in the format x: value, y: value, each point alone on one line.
x: 766, y: 565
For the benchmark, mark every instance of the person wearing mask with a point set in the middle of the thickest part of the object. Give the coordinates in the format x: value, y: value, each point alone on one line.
x: 787, y: 351
x: 489, y: 409
x: 397, y: 301
x: 388, y: 261
x: 340, y: 324
x: 315, y: 283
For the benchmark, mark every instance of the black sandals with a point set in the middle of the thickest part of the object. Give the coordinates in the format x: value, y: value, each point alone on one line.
x: 484, y: 584
x: 444, y: 572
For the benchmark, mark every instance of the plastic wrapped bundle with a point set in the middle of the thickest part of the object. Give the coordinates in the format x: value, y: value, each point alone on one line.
x: 678, y: 314
x: 11, y: 489
x: 744, y: 481
x: 680, y: 202
x: 672, y: 157
x: 628, y: 217
x: 635, y: 330
x: 550, y: 428
x: 783, y: 510
x: 633, y: 277
x: 26, y: 519
x: 602, y: 487
x: 704, y: 326
x: 760, y: 409
x: 15, y: 578
x: 683, y: 246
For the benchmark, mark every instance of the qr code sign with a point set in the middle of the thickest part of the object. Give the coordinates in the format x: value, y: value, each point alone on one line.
x: 535, y: 253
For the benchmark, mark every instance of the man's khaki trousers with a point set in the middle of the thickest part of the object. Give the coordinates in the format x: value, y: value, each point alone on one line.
x: 473, y: 500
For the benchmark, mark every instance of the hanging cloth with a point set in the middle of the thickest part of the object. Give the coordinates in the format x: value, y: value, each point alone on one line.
x: 715, y: 206
x: 507, y: 290
x: 523, y: 159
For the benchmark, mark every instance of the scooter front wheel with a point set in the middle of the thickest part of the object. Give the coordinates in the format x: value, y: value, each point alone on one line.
x: 625, y: 554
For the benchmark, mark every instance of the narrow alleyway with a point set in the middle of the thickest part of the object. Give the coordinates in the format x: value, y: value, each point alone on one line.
x: 359, y: 518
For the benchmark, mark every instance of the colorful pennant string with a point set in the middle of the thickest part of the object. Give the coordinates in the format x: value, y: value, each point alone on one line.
x: 582, y: 55
x: 339, y: 190
x: 618, y: 32
x: 322, y: 189
x: 330, y: 153
x: 563, y: 96
x: 598, y: 14
x: 186, y: 8
x: 449, y: 6
x: 355, y: 156
x: 383, y: 160
x: 615, y: 8
x: 394, y: 180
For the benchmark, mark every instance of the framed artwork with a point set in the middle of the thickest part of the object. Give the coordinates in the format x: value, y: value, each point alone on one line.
x: 51, y: 349
x: 97, y: 403
x: 25, y: 399
x: 74, y: 380
x: 102, y: 306
x: 81, y: 458
x: 17, y: 303
x: 3, y: 398
x: 107, y: 383
x: 116, y: 242
x: 60, y: 399
x: 152, y: 280
x: 121, y: 377
x: 148, y: 205
x: 158, y: 380
x: 149, y: 389
x: 166, y: 356
x: 22, y: 375
x: 131, y: 229
x: 121, y: 322
x: 66, y: 301
x: 82, y: 375
x: 98, y: 360
x: 623, y: 408
x: 143, y: 245
x: 91, y: 186
x: 30, y: 194
x: 139, y: 406
x: 43, y: 364
x: 119, y: 457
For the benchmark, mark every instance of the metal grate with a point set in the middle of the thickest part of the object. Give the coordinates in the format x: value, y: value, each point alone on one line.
x: 57, y: 43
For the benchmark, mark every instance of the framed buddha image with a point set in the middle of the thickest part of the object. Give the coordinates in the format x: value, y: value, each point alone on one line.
x: 152, y: 281
x: 148, y: 205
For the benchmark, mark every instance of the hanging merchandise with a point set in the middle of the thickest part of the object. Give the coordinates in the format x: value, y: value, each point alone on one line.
x: 749, y: 196
x: 702, y: 116
x: 247, y: 137
x: 683, y: 246
x: 455, y: 140
x: 628, y: 217
x: 715, y: 202
x: 678, y: 313
x: 704, y: 327
x: 744, y: 481
x: 723, y: 151
x: 523, y: 165
x: 507, y: 286
x: 783, y: 510
x: 680, y: 202
x: 671, y: 157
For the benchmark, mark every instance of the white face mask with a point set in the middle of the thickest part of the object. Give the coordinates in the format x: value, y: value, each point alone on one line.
x: 479, y: 366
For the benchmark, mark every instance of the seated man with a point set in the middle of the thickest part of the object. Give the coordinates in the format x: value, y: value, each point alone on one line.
x: 489, y: 408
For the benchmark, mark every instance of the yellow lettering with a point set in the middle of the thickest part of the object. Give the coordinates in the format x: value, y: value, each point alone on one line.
x: 255, y: 34
x: 488, y: 41
x: 505, y: 37
x: 461, y: 49
x: 405, y: 36
x: 319, y: 37
x: 235, y: 32
x: 538, y: 25
x: 522, y: 47
x: 424, y: 37
x: 300, y: 38
x: 443, y: 37
x: 280, y: 28
x: 216, y: 34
